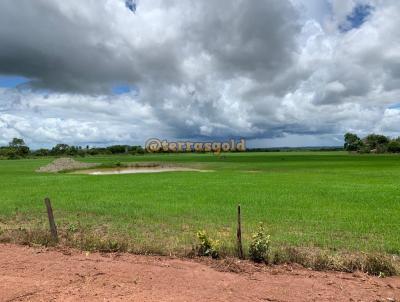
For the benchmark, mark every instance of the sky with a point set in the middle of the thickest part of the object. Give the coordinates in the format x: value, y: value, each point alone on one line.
x: 275, y: 72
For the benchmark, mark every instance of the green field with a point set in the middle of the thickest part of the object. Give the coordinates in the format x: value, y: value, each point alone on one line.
x: 329, y: 200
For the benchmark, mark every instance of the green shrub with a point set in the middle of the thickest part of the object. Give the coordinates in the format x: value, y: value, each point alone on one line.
x: 394, y: 146
x: 260, y: 245
x: 207, y: 247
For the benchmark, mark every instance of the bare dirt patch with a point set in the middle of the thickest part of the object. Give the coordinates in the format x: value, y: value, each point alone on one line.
x: 39, y: 274
x: 65, y: 164
x: 76, y: 167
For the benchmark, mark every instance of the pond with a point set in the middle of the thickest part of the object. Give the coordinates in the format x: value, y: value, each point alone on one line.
x: 135, y: 170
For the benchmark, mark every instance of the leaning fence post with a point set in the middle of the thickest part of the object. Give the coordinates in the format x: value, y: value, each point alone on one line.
x: 53, y: 227
x: 239, y: 234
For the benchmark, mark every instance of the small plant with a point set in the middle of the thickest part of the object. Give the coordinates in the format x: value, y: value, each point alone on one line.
x: 260, y: 245
x: 72, y: 228
x: 208, y: 247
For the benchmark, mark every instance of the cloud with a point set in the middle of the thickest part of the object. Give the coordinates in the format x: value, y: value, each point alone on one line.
x: 49, y: 119
x: 196, y: 69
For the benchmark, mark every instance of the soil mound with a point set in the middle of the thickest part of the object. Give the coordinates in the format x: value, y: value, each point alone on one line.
x: 65, y: 164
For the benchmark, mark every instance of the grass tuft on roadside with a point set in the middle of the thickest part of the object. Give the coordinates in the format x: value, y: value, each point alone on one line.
x: 376, y: 264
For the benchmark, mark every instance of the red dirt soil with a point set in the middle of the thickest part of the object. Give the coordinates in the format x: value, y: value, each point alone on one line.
x: 39, y: 274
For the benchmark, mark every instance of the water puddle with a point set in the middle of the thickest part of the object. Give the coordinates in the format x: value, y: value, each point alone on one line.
x: 135, y: 170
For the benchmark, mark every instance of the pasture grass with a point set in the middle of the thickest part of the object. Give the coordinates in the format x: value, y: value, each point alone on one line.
x: 332, y: 201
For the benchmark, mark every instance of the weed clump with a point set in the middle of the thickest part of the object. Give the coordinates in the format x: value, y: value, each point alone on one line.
x: 207, y: 247
x: 379, y: 265
x: 373, y: 264
x: 260, y: 245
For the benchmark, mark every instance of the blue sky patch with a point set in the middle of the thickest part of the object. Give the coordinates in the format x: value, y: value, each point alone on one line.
x: 394, y: 106
x: 12, y: 81
x: 357, y: 17
x: 121, y: 89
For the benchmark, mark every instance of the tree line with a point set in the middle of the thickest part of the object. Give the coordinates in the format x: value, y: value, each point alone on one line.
x: 372, y: 143
x: 17, y: 148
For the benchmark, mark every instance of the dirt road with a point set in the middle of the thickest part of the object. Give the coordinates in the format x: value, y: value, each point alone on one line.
x: 37, y: 274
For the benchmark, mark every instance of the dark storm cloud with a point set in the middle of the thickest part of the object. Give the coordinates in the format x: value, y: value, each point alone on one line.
x: 254, y: 39
x: 67, y: 50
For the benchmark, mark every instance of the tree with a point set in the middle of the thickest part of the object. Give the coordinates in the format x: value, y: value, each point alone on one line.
x: 394, y: 146
x: 17, y: 142
x: 41, y: 152
x: 118, y: 149
x: 60, y: 149
x: 377, y: 143
x: 18, y: 148
x: 352, y: 142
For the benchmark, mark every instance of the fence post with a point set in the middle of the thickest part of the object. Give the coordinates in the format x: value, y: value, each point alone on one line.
x: 239, y: 234
x: 53, y: 227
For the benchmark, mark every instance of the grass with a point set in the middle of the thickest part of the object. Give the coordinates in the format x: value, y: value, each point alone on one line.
x: 329, y: 200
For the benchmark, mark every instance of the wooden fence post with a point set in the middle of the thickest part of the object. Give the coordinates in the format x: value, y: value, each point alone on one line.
x: 53, y: 227
x: 239, y: 234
